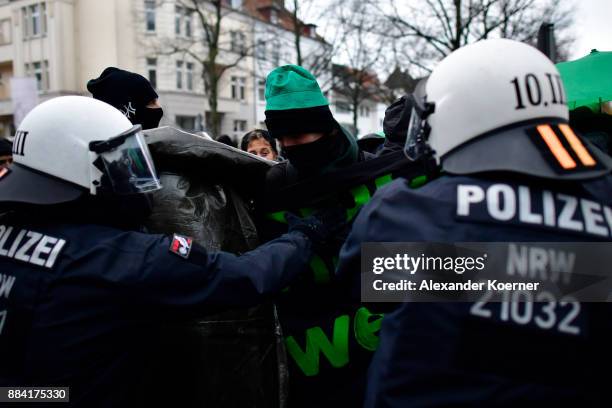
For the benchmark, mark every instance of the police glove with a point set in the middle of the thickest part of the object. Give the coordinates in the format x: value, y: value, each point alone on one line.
x: 320, y: 227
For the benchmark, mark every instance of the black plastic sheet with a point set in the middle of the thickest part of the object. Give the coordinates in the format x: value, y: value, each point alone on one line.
x: 232, y: 359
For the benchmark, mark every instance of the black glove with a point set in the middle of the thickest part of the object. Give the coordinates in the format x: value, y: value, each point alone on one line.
x: 319, y: 227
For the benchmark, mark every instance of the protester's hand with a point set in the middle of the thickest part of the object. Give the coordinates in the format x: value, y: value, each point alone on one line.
x: 319, y: 227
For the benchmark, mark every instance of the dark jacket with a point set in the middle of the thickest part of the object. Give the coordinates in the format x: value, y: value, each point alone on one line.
x: 83, y: 305
x: 450, y: 354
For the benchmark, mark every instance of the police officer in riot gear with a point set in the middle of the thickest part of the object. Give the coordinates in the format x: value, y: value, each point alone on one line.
x: 493, y: 117
x: 81, y: 292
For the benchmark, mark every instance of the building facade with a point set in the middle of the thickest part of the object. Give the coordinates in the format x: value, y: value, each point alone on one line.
x: 65, y: 43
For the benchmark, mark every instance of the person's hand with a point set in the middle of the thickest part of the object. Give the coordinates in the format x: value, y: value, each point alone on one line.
x: 319, y: 227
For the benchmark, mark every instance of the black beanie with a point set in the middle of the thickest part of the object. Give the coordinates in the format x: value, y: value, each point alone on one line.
x: 318, y: 119
x: 6, y: 148
x: 124, y: 90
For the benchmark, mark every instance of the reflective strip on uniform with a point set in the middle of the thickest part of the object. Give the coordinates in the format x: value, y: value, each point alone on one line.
x: 577, y: 145
x: 555, y: 146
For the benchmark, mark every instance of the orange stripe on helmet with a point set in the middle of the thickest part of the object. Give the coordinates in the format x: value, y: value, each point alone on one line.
x: 555, y: 146
x: 583, y: 154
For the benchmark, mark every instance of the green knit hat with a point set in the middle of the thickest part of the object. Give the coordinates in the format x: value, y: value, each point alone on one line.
x: 295, y: 104
x: 293, y: 87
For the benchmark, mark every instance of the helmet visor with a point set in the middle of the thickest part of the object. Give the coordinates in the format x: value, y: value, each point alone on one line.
x: 128, y: 164
x: 412, y: 147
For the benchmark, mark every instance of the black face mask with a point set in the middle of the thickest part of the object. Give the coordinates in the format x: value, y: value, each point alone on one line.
x: 314, y: 158
x: 148, y: 117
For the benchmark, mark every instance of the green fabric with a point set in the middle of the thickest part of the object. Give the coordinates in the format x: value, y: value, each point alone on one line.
x: 278, y: 216
x: 382, y: 180
x: 321, y: 273
x: 293, y: 87
x: 317, y: 343
x: 588, y: 80
x: 418, y: 181
x: 361, y: 194
x: 367, y: 325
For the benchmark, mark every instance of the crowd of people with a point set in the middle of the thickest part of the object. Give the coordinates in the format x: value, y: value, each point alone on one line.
x: 83, y: 285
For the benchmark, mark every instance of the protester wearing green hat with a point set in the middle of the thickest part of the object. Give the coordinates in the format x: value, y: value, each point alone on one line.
x: 319, y: 152
x: 298, y: 115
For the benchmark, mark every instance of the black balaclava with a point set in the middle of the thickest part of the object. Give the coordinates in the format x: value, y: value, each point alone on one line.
x: 128, y: 92
x: 329, y: 152
x: 334, y: 150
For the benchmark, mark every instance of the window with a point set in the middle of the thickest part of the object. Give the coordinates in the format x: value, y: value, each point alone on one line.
x: 152, y: 71
x: 5, y: 32
x: 40, y: 71
x: 313, y: 31
x: 178, y: 18
x: 189, y: 75
x: 240, y: 125
x: 236, y: 4
x: 275, y: 55
x: 182, y: 19
x: 184, y: 75
x: 186, y: 122
x: 238, y: 41
x: 238, y: 85
x: 364, y: 111
x: 343, y: 107
x: 150, y: 15
x: 179, y: 74
x: 34, y: 20
x: 261, y: 89
x: 260, y: 50
x: 274, y: 16
x: 188, y: 25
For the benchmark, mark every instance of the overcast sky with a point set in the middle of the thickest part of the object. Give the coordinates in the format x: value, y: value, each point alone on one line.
x: 593, y: 26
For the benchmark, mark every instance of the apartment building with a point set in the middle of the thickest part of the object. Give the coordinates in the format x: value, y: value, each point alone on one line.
x: 65, y: 43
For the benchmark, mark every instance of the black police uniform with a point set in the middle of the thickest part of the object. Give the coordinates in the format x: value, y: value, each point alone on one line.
x: 81, y: 305
x: 466, y: 354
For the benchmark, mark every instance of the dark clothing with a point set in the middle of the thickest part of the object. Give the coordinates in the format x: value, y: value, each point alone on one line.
x: 330, y: 336
x: 450, y: 354
x: 283, y: 175
x: 395, y: 125
x: 6, y: 148
x: 128, y: 92
x: 315, y: 161
x: 82, y: 305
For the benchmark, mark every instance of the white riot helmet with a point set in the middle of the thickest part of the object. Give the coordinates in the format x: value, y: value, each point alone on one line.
x: 499, y: 105
x: 71, y: 146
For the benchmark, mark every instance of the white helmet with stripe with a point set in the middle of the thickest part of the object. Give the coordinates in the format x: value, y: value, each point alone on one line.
x: 71, y: 146
x: 499, y: 105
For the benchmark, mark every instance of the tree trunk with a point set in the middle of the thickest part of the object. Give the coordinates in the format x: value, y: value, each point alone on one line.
x: 215, y: 120
x: 355, y: 114
x: 458, y: 26
x: 297, y: 30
